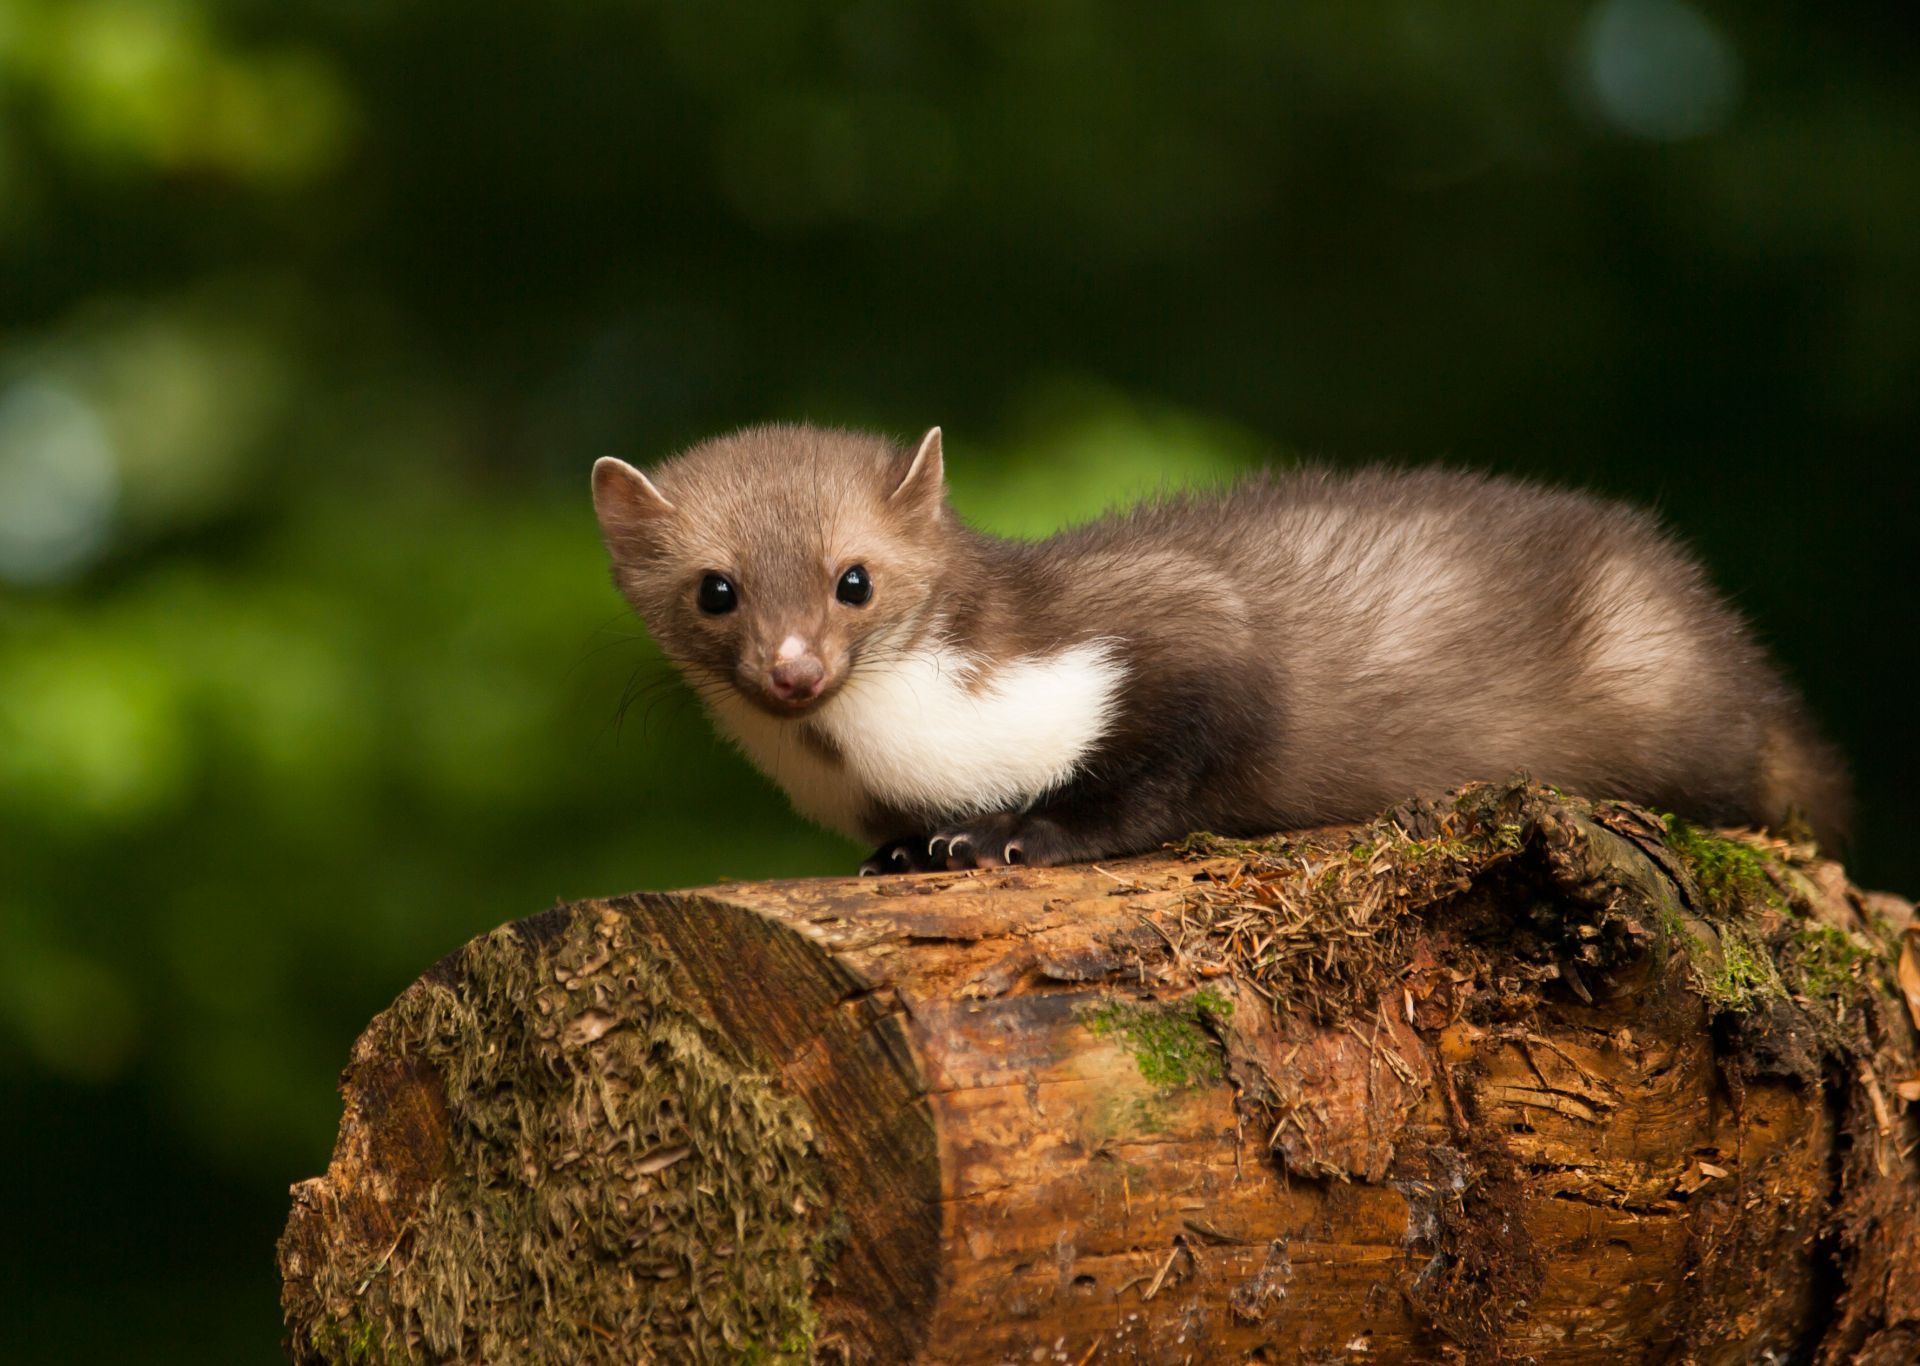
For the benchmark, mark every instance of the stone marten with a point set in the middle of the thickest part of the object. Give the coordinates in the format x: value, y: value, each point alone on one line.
x: 1304, y: 647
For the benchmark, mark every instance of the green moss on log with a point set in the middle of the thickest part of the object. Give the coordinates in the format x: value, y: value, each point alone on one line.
x: 1731, y: 874
x: 356, y: 1340
x: 1727, y: 960
x: 1828, y: 967
x: 1170, y: 1040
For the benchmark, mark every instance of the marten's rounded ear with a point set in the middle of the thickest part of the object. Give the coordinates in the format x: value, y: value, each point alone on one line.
x: 624, y: 499
x: 924, y: 485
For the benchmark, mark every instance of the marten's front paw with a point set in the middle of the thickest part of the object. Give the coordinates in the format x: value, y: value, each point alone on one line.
x: 991, y: 841
x: 984, y: 842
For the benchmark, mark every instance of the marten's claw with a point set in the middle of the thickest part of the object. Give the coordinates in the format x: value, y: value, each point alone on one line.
x: 916, y: 854
x: 896, y: 856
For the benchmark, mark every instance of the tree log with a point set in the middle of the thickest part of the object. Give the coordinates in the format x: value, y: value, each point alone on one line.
x: 1516, y: 1078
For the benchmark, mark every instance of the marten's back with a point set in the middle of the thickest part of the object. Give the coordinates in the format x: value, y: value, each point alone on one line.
x: 1411, y: 629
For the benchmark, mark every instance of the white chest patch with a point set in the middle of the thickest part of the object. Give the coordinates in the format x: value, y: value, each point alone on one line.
x: 935, y: 731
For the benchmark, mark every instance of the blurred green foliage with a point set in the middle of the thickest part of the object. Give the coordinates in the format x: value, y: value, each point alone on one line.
x: 313, y: 315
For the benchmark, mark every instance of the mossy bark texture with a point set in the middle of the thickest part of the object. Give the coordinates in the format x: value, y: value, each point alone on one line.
x: 1517, y: 1077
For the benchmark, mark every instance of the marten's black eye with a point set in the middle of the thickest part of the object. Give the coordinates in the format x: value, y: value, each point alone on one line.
x: 717, y: 595
x: 854, y: 587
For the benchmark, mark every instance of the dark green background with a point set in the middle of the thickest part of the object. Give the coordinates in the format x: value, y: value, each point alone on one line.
x: 314, y: 313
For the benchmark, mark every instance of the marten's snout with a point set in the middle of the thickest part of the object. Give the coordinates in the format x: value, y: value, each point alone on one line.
x: 796, y: 675
x: 796, y: 680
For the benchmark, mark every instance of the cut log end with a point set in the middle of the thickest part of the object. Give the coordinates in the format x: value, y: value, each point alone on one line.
x: 1523, y: 1077
x: 546, y: 1147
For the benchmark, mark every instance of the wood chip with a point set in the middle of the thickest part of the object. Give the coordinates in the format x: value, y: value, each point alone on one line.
x: 1910, y: 972
x: 1881, y: 1118
x: 1179, y: 1246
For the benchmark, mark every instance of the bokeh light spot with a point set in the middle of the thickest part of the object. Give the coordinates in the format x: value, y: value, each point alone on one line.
x: 1658, y: 69
x: 59, y: 483
x: 90, y: 730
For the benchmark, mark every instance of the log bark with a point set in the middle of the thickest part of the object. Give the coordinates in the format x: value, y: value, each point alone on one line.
x: 1516, y: 1078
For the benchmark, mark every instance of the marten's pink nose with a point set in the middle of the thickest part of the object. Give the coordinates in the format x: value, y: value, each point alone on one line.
x: 796, y: 680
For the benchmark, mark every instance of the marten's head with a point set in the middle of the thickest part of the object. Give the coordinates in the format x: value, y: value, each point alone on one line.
x: 775, y: 559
